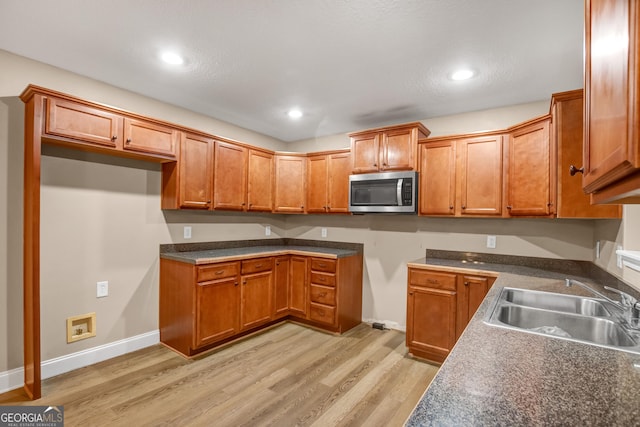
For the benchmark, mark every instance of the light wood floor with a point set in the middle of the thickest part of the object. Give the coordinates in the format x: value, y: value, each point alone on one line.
x: 289, y: 375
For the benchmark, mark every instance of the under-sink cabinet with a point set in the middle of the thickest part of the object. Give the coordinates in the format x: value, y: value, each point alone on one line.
x: 439, y: 307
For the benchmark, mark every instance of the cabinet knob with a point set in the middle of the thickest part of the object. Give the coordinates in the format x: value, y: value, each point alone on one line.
x: 509, y: 207
x: 464, y: 207
x: 384, y: 164
x: 114, y: 137
x: 451, y: 207
x: 549, y: 204
x: 244, y: 282
x: 128, y: 140
x: 208, y: 201
x: 235, y: 284
x: 466, y: 283
x: 574, y: 170
x: 411, y: 293
x: 322, y: 294
x: 375, y: 165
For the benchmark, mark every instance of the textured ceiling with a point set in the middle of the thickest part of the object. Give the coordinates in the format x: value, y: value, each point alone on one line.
x: 349, y: 65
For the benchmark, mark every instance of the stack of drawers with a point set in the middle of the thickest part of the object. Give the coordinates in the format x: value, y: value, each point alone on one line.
x: 323, y: 291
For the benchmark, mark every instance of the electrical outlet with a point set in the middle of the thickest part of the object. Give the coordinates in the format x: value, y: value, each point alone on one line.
x: 187, y: 231
x: 323, y: 232
x: 598, y: 249
x: 102, y: 289
x: 491, y: 242
x: 267, y: 230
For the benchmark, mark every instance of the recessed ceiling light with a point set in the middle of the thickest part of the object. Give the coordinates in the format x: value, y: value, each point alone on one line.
x: 462, y: 74
x: 294, y: 113
x: 172, y: 58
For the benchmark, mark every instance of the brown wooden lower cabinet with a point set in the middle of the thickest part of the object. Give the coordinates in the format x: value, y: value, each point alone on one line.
x: 439, y: 307
x: 202, y: 306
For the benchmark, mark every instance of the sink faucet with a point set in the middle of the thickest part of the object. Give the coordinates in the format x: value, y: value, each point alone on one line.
x: 628, y: 305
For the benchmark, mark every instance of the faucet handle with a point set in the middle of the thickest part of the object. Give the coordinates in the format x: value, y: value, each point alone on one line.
x: 625, y: 299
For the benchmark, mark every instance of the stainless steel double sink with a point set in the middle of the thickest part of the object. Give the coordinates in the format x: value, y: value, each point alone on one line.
x: 576, y: 318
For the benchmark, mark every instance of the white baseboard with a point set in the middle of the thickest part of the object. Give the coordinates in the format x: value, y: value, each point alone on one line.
x: 13, y: 379
x: 388, y: 324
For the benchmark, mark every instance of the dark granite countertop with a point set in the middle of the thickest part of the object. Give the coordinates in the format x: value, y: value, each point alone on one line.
x: 214, y: 255
x: 204, y: 253
x: 497, y: 376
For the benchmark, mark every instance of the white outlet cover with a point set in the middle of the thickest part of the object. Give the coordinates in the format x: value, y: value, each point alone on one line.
x: 102, y: 289
x: 323, y: 232
x: 187, y: 232
x: 267, y: 230
x: 491, y: 242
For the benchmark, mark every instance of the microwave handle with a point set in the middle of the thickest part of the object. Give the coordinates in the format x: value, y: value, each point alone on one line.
x: 399, y: 191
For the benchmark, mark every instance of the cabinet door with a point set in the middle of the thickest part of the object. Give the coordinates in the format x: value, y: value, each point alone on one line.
x: 290, y: 190
x: 471, y: 291
x: 80, y: 122
x: 338, y: 189
x: 317, y: 177
x: 567, y: 130
x: 196, y: 174
x: 612, y: 98
x: 299, y: 287
x: 260, y: 181
x: 365, y: 150
x: 399, y: 149
x: 480, y: 171
x: 256, y: 299
x: 230, y: 177
x: 150, y: 138
x: 431, y: 322
x: 437, y: 178
x: 529, y: 174
x: 216, y: 310
x: 281, y: 286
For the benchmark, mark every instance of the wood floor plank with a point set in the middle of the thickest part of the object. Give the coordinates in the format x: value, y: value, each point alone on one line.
x: 288, y: 375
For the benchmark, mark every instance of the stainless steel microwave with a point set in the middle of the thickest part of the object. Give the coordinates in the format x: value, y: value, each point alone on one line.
x: 385, y: 192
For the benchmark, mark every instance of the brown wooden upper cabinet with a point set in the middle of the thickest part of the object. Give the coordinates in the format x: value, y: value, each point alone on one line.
x: 567, y: 138
x: 230, y: 176
x: 260, y: 181
x: 195, y: 171
x: 83, y: 123
x: 149, y: 138
x: 530, y: 190
x: 612, y: 101
x: 387, y: 149
x: 328, y: 182
x: 290, y: 186
x: 461, y: 176
x: 90, y: 127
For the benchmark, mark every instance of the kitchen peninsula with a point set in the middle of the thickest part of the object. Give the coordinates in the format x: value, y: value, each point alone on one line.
x: 212, y: 293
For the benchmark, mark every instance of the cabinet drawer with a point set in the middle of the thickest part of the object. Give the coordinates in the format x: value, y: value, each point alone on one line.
x: 257, y: 265
x: 320, y: 264
x: 218, y: 271
x: 432, y: 279
x: 322, y: 313
x: 323, y: 295
x: 323, y: 279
